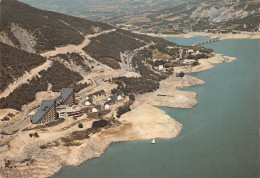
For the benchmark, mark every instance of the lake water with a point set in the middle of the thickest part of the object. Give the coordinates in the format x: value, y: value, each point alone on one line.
x: 220, y: 136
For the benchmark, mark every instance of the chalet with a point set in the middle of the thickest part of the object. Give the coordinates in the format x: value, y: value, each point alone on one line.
x: 46, y: 112
x: 89, y: 102
x: 119, y: 95
x: 96, y: 108
x: 99, y: 93
x: 160, y: 67
x: 113, y: 97
x: 90, y: 96
x: 108, y: 104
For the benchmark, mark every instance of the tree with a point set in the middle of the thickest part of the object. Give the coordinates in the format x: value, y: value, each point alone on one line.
x: 36, y: 135
x: 80, y: 125
x: 180, y: 74
x: 100, y: 123
x: 132, y: 96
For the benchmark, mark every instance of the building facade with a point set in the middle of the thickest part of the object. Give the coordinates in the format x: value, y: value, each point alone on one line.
x: 46, y: 112
x: 68, y: 96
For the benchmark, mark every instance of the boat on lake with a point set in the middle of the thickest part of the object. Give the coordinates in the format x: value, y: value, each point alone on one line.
x: 153, y: 141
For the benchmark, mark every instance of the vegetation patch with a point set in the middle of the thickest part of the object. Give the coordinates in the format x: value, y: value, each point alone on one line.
x: 47, y: 125
x: 100, y: 123
x: 58, y: 75
x: 14, y: 64
x: 76, y: 58
x: 110, y: 45
x: 110, y: 62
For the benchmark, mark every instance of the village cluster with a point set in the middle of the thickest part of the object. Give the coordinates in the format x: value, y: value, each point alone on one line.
x: 65, y: 105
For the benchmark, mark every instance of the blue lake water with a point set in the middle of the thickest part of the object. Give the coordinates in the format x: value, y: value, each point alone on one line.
x: 220, y: 136
x: 188, y: 41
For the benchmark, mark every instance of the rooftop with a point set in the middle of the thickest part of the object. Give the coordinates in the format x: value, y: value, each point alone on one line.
x: 98, y: 106
x: 45, y: 106
x: 65, y: 93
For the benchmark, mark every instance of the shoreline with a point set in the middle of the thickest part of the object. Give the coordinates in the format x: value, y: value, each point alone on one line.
x: 143, y: 122
x: 225, y: 36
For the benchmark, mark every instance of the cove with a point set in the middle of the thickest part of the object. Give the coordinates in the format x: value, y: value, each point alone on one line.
x: 220, y: 136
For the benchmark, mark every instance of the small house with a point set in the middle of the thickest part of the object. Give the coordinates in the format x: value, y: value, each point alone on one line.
x: 89, y: 97
x: 96, y: 108
x: 160, y: 67
x: 88, y: 102
x: 190, y: 50
x: 108, y: 104
x: 119, y: 95
x: 111, y: 98
x: 99, y: 93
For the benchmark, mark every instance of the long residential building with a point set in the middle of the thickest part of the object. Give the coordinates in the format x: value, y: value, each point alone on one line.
x: 67, y: 97
x: 46, y: 112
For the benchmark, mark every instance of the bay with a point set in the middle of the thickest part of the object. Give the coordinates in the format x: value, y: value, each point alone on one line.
x: 220, y: 136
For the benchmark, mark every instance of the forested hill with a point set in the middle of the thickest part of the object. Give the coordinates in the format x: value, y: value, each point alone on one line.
x: 37, y: 30
x: 41, y: 48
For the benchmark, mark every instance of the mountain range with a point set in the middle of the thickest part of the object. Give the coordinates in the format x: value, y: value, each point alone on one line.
x: 223, y: 16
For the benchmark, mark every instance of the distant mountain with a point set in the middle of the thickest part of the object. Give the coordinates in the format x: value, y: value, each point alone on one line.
x: 101, y: 10
x: 214, y: 16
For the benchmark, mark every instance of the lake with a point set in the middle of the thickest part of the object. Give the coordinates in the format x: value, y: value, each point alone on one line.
x: 220, y: 136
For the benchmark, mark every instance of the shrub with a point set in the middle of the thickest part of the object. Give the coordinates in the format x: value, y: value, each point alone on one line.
x: 36, y: 135
x: 180, y: 74
x: 100, y: 123
x: 5, y: 119
x: 80, y: 125
x: 132, y: 96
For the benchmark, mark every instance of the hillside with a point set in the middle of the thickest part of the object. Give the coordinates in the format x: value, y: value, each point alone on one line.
x: 210, y: 16
x: 35, y: 30
x: 43, y: 51
x: 14, y: 64
x: 41, y: 48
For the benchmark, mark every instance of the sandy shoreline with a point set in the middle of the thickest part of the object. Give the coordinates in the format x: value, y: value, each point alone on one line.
x: 143, y: 122
x: 242, y: 35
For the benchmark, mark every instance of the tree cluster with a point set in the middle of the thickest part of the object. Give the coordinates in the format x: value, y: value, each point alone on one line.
x: 14, y: 63
x: 76, y: 58
x: 110, y: 45
x: 58, y: 75
x: 100, y: 123
x: 36, y: 135
x: 123, y: 109
x: 111, y: 63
